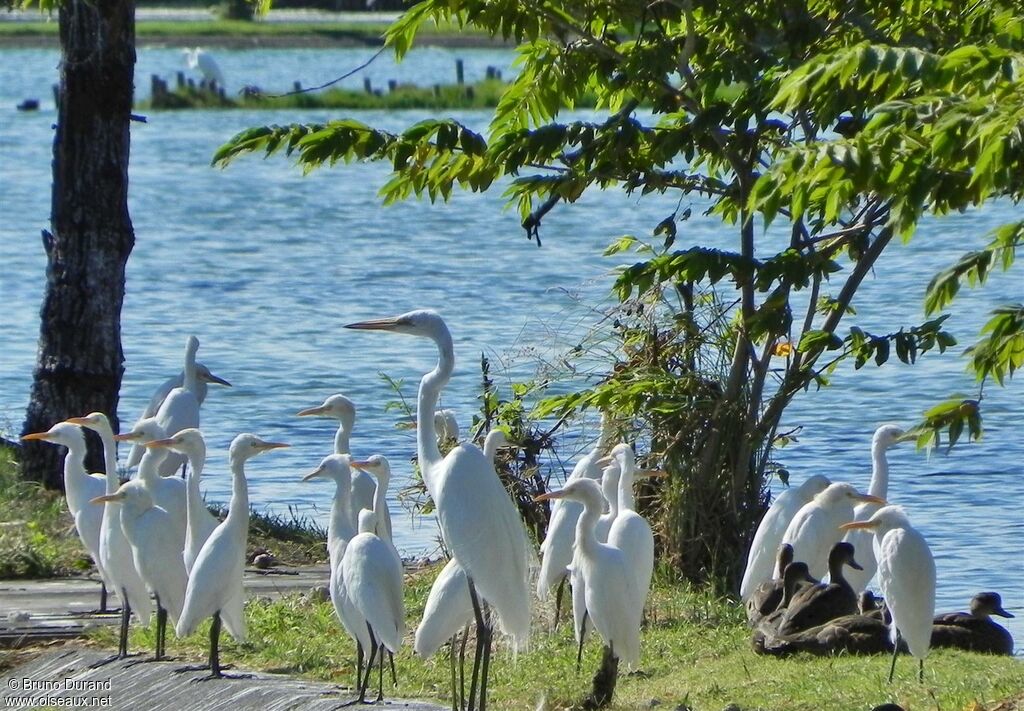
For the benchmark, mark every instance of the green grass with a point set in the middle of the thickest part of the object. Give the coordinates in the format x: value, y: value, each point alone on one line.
x: 696, y: 655
x: 37, y: 536
x: 483, y: 94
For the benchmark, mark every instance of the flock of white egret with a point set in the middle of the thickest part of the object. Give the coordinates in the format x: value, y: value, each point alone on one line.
x: 155, y: 535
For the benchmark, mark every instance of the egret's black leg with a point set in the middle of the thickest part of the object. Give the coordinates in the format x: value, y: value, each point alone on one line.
x: 161, y: 631
x: 489, y: 635
x: 360, y: 659
x: 451, y: 668
x: 478, y: 653
x: 895, y: 651
x: 394, y: 677
x: 920, y: 671
x: 215, y: 647
x: 103, y: 597
x: 462, y: 667
x: 122, y: 640
x: 380, y: 676
x: 579, y: 649
x: 558, y: 600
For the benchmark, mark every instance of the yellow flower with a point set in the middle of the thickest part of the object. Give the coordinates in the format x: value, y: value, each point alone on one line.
x: 783, y: 348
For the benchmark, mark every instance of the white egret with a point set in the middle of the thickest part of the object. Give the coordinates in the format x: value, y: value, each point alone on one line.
x: 80, y: 487
x: 820, y: 603
x: 378, y: 466
x: 169, y: 493
x: 906, y: 575
x: 885, y: 437
x: 447, y: 426
x: 202, y: 60
x: 372, y: 573
x: 556, y: 549
x: 215, y: 583
x: 815, y: 527
x: 157, y: 555
x: 772, y: 528
x: 478, y: 520
x: 180, y: 409
x: 115, y: 551
x: 611, y: 601
x: 336, y: 467
x: 449, y: 608
x: 200, y: 522
x: 340, y: 408
x: 974, y: 631
x: 204, y: 377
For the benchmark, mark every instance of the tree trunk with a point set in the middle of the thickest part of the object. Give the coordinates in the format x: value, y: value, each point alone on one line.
x: 80, y: 361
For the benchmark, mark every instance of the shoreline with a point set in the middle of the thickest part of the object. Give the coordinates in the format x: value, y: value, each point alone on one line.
x: 317, y: 41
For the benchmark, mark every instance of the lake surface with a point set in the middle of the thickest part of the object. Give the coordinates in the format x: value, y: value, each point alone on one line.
x: 265, y: 266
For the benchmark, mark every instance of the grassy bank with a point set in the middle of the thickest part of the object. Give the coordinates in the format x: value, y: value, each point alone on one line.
x: 237, y: 33
x: 38, y: 538
x: 696, y: 655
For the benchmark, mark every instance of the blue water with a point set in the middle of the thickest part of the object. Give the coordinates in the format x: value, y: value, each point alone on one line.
x: 266, y: 265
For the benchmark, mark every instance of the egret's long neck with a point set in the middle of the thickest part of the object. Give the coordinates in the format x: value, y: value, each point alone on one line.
x: 430, y: 389
x: 380, y: 494
x: 879, y: 471
x: 339, y: 528
x: 74, y: 465
x: 238, y: 514
x: 190, y: 378
x: 341, y: 438
x: 109, y: 460
x: 194, y: 498
x: 148, y: 473
x: 586, y: 533
x: 491, y: 445
x: 627, y: 501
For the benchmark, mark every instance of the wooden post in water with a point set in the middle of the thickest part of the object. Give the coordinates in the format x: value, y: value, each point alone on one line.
x: 459, y: 72
x: 297, y: 86
x: 367, y: 87
x: 181, y: 80
x: 392, y: 85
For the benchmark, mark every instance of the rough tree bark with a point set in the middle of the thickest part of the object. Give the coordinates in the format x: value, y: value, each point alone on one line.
x: 80, y: 362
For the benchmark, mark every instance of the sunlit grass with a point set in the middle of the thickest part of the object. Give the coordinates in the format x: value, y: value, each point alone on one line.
x: 696, y: 654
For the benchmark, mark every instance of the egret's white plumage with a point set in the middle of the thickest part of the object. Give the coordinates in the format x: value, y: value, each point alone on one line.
x: 80, y: 487
x: 478, y: 520
x: 768, y: 538
x: 885, y: 437
x: 200, y: 523
x: 379, y: 467
x: 340, y: 408
x: 199, y: 58
x: 372, y: 574
x: 447, y: 426
x: 115, y: 551
x: 157, y: 555
x: 610, y: 477
x: 215, y: 583
x: 203, y: 380
x: 815, y: 527
x: 169, y: 493
x: 610, y: 598
x: 556, y: 549
x: 906, y: 576
x: 180, y: 409
x: 630, y: 532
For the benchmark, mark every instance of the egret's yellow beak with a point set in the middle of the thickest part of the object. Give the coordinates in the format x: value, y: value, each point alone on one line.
x: 264, y: 446
x: 34, y: 436
x: 311, y: 411
x: 868, y: 498
x: 313, y: 474
x: 550, y: 495
x: 379, y: 324
x: 80, y: 421
x: 858, y: 524
x: 361, y: 466
x: 111, y: 498
x: 126, y: 437
x: 170, y: 441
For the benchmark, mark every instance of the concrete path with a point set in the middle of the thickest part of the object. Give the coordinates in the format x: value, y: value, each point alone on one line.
x: 39, y: 610
x: 61, y: 677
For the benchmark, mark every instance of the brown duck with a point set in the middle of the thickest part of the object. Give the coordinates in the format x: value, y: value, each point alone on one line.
x: 974, y: 631
x: 825, y: 601
x: 766, y: 598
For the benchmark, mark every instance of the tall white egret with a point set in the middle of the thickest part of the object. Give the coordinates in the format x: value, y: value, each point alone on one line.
x: 169, y: 493
x: 478, y: 520
x: 215, y: 583
x: 906, y: 575
x: 378, y: 466
x: 772, y: 528
x: 372, y: 572
x: 202, y: 60
x: 815, y: 527
x: 337, y: 468
x: 115, y: 551
x: 449, y: 608
x: 80, y: 487
x: 157, y: 555
x: 200, y: 522
x: 180, y: 409
x: 974, y: 631
x: 556, y: 549
x: 885, y: 437
x: 340, y: 408
x: 204, y: 377
x: 820, y: 603
x: 610, y: 599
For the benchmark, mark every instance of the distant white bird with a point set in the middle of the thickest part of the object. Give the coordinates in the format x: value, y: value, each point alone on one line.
x: 204, y: 377
x: 80, y: 487
x: 815, y: 527
x: 556, y: 550
x: 202, y: 60
x: 200, y: 522
x: 610, y: 598
x: 337, y: 468
x: 215, y: 583
x: 372, y: 573
x: 169, y: 493
x: 447, y: 426
x: 885, y: 437
x: 340, y: 408
x: 115, y: 551
x: 157, y: 555
x: 479, y: 522
x: 768, y: 538
x: 906, y: 575
x: 379, y: 467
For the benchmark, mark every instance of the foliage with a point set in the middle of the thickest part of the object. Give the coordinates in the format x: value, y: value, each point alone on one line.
x: 848, y: 121
x: 696, y: 654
